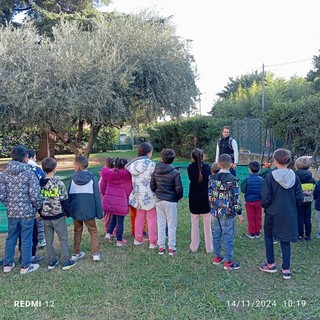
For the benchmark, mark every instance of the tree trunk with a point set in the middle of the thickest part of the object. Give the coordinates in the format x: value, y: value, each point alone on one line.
x: 47, y: 144
x: 94, y: 131
x: 72, y: 145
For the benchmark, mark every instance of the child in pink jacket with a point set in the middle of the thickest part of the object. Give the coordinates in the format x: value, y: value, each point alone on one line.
x: 108, y: 164
x: 116, y: 187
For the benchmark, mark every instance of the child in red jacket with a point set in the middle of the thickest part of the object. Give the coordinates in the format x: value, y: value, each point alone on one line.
x: 116, y: 187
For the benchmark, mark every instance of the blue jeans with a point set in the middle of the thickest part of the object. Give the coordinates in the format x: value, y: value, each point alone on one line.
x: 285, y: 249
x: 119, y: 221
x: 34, y: 239
x: 17, y: 226
x: 223, y: 229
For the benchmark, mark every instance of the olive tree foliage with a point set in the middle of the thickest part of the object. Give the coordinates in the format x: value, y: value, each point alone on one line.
x: 130, y: 69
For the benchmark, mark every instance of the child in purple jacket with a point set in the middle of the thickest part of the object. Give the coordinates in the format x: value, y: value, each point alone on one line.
x: 116, y: 188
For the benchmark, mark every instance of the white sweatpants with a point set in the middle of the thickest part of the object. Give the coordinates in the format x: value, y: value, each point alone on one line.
x: 167, y: 215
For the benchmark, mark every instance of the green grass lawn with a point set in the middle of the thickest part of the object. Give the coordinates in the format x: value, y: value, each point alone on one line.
x: 136, y: 283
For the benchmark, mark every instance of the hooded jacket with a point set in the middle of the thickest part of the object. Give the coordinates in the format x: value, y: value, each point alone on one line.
x: 307, y: 184
x: 281, y: 193
x: 20, y: 190
x: 115, y: 188
x: 55, y: 199
x: 141, y: 196
x: 38, y: 171
x: 166, y: 182
x: 84, y: 196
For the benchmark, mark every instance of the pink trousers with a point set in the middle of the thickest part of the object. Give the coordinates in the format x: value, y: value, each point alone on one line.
x: 195, y: 233
x: 152, y: 225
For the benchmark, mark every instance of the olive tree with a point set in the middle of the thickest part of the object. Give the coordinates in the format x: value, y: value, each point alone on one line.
x: 130, y: 69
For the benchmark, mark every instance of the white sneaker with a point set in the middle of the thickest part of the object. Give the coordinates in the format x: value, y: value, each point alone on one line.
x: 153, y: 246
x: 42, y: 243
x: 108, y: 236
x: 96, y: 257
x: 77, y: 256
x: 31, y: 268
x: 137, y: 243
x: 8, y: 268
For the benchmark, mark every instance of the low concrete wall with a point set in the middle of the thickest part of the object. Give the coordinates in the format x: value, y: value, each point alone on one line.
x: 245, y: 158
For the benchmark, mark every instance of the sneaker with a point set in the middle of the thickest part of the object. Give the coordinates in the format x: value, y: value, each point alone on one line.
x: 77, y: 256
x: 162, y: 250
x: 138, y: 243
x: 258, y: 235
x: 121, y: 243
x: 318, y: 235
x: 96, y: 257
x: 172, y: 252
x: 42, y: 243
x: 68, y: 265
x: 250, y: 235
x: 308, y: 239
x: 271, y: 268
x: 37, y: 259
x: 231, y: 265
x: 218, y: 260
x: 275, y: 241
x: 108, y: 237
x: 300, y: 239
x: 153, y: 246
x: 8, y: 268
x: 52, y: 264
x: 31, y: 268
x: 286, y: 274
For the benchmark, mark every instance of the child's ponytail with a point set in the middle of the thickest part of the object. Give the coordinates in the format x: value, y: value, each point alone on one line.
x: 197, y: 156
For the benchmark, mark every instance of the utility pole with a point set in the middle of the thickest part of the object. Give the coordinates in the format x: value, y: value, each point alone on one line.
x: 262, y: 96
x: 262, y: 113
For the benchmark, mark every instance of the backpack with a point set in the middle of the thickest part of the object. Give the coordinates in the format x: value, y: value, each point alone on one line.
x: 223, y: 197
x: 307, y: 189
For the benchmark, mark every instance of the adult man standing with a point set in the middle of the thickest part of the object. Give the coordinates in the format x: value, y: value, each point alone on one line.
x: 226, y: 144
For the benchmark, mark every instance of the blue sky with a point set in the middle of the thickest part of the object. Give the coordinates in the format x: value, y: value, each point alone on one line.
x: 231, y: 38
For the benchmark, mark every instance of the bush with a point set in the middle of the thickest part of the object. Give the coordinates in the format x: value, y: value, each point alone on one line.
x: 185, y: 135
x: 10, y: 139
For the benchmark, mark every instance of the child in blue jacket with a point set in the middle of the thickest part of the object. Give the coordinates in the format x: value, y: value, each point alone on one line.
x: 85, y: 207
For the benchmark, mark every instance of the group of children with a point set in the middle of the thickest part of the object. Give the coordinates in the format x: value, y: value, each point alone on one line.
x: 26, y: 194
x: 151, y: 191
x: 286, y: 196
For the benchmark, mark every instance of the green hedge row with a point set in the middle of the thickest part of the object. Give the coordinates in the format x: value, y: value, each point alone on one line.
x: 185, y: 135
